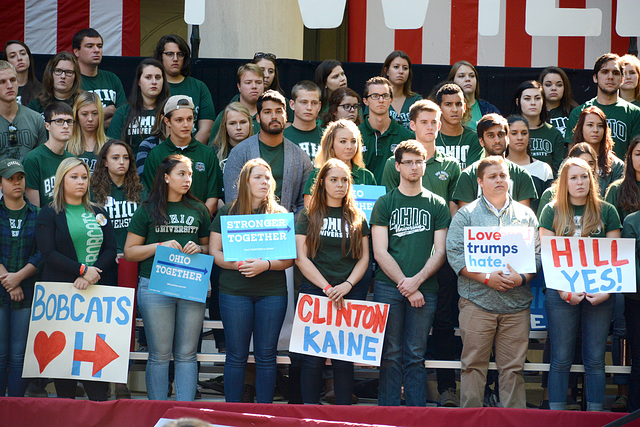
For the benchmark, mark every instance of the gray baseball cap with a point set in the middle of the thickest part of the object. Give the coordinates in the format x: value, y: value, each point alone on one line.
x: 10, y: 167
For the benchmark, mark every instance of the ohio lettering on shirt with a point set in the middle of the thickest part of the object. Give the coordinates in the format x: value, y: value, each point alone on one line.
x: 120, y: 212
x: 178, y: 224
x: 458, y: 152
x: 311, y: 148
x: 540, y: 146
x: 142, y: 126
x: 559, y: 123
x: 332, y: 227
x: 106, y: 96
x: 618, y: 129
x: 406, y: 221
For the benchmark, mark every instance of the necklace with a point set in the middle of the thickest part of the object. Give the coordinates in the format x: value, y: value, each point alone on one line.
x: 444, y: 144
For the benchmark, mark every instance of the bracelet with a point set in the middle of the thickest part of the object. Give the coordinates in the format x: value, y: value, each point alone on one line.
x: 269, y: 265
x: 349, y: 283
x: 568, y: 297
x: 326, y: 288
x: 159, y: 243
x: 486, y: 278
x: 524, y: 279
x: 83, y: 269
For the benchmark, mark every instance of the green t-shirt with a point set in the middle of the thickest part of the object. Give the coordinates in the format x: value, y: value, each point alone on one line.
x: 184, y: 223
x: 610, y: 219
x: 39, y: 108
x: 206, y: 181
x: 30, y: 133
x: 558, y: 120
x: 440, y: 176
x: 232, y: 282
x: 120, y: 211
x: 90, y: 158
x: 199, y: 93
x: 613, y: 192
x: 329, y: 260
x: 41, y: 166
x: 107, y: 86
x: 403, y: 117
x: 617, y: 171
x: 547, y: 145
x: 139, y: 130
x: 521, y: 185
x: 16, y: 219
x: 86, y: 233
x: 308, y: 140
x: 623, y: 119
x: 476, y: 115
x: 544, y: 200
x: 275, y: 157
x: 360, y: 176
x: 412, y: 222
x: 377, y: 148
x: 465, y: 148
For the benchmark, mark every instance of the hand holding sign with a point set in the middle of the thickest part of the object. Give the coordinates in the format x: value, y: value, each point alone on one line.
x: 596, y: 299
x: 92, y: 275
x: 500, y: 282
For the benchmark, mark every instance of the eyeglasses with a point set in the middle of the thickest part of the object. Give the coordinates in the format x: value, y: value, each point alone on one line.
x: 60, y: 71
x: 62, y: 122
x: 412, y: 162
x: 259, y: 55
x: 376, y: 96
x: 172, y: 55
x: 350, y: 107
x: 13, y: 134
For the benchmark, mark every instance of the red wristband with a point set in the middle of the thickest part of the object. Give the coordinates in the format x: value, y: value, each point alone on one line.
x: 486, y: 278
x: 326, y: 288
x: 83, y: 269
x: 240, y: 264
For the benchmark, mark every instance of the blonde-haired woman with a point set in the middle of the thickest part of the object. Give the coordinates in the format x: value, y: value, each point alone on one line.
x: 236, y: 126
x: 78, y: 245
x: 253, y: 292
x: 577, y: 210
x: 630, y: 89
x: 88, y: 135
x: 341, y: 140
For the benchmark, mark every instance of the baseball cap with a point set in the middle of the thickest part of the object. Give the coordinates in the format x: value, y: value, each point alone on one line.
x: 10, y: 167
x: 177, y: 102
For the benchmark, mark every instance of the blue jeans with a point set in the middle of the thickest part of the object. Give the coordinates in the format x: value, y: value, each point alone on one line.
x: 405, y: 343
x: 172, y: 325
x: 564, y: 320
x: 14, y: 326
x: 312, y: 366
x: 243, y: 317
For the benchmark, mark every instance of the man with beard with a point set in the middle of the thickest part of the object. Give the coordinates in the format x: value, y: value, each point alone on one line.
x: 493, y: 133
x: 623, y: 117
x: 290, y: 165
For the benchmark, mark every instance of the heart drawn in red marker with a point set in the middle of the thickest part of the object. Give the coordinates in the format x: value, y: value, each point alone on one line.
x: 46, y: 348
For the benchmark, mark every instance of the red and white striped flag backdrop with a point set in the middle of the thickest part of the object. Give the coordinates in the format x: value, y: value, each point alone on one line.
x: 48, y: 26
x: 450, y: 33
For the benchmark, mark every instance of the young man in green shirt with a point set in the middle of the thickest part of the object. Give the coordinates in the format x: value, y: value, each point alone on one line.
x: 304, y: 131
x: 380, y: 134
x: 174, y: 53
x: 87, y: 47
x: 41, y: 163
x: 454, y: 139
x: 623, y: 117
x: 408, y: 230
x: 493, y: 133
x: 178, y: 118
x: 21, y: 129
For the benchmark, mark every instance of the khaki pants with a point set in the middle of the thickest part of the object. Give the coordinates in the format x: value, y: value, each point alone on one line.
x: 480, y: 330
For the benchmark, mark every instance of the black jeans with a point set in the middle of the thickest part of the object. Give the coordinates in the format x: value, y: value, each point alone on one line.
x: 443, y: 325
x: 632, y: 315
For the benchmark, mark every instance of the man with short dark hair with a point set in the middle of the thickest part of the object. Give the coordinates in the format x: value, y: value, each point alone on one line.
x: 87, y: 47
x: 21, y: 129
x: 174, y: 53
x: 380, y: 134
x: 493, y: 134
x: 305, y: 104
x: 41, y: 164
x: 290, y: 165
x: 623, y: 117
x: 454, y: 139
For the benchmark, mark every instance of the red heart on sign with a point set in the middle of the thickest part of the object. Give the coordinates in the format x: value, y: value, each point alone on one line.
x: 46, y: 348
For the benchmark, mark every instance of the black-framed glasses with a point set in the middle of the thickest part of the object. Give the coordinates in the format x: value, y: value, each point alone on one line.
x: 376, y: 96
x: 13, y: 134
x: 62, y: 122
x: 172, y: 55
x: 349, y: 107
x: 60, y: 71
x: 260, y: 55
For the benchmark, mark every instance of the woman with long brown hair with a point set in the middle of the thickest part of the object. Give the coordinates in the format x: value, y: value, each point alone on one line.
x: 578, y: 210
x: 397, y: 68
x: 333, y: 255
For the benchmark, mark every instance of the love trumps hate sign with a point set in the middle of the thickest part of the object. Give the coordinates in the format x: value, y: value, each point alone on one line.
x: 489, y: 249
x: 82, y: 335
x: 354, y: 333
x: 592, y: 265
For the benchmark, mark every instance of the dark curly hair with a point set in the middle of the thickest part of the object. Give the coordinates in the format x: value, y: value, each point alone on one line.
x: 101, y: 181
